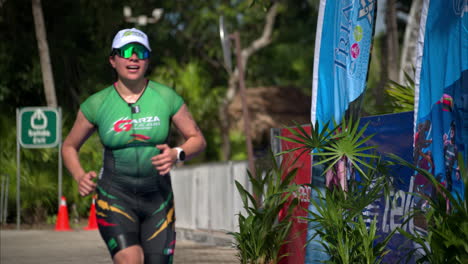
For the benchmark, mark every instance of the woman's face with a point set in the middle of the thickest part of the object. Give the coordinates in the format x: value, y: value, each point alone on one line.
x: 131, y: 69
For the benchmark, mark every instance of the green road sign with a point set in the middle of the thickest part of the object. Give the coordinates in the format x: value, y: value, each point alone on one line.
x: 38, y: 127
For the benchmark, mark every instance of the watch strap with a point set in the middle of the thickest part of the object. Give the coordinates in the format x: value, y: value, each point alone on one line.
x: 179, y: 150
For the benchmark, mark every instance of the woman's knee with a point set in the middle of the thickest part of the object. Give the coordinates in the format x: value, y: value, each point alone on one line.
x: 131, y: 255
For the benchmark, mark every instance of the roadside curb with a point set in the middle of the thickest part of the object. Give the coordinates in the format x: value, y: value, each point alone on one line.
x: 205, y: 237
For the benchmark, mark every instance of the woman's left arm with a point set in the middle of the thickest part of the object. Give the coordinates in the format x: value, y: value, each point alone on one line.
x: 194, y: 143
x: 194, y: 140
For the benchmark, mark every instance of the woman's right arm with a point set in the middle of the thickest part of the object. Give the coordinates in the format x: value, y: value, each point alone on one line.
x: 80, y: 132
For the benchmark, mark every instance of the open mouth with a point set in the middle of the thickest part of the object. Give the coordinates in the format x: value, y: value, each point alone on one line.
x: 133, y: 67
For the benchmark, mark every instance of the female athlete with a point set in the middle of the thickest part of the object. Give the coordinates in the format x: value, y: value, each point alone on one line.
x: 134, y: 205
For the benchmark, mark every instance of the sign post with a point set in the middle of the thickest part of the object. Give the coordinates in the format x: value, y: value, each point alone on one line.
x: 38, y: 127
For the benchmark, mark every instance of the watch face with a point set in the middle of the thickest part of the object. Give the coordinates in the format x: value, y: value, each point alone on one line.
x: 182, y: 155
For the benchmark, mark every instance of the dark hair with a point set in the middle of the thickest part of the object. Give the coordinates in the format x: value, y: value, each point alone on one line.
x: 113, y: 52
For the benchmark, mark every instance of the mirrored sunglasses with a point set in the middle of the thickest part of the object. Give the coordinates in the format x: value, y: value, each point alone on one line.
x: 127, y: 51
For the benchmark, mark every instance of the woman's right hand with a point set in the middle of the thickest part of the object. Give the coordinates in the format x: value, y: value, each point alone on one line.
x: 86, y: 184
x: 81, y: 130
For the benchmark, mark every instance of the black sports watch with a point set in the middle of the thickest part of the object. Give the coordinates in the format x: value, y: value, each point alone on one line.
x: 180, y: 154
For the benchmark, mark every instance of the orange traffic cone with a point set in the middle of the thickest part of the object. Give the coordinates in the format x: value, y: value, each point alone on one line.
x: 92, y: 221
x: 62, y: 217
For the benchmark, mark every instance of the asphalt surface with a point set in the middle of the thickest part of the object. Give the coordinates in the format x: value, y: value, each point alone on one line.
x: 79, y: 246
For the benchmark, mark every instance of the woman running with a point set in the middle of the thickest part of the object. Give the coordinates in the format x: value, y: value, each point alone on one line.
x: 134, y: 205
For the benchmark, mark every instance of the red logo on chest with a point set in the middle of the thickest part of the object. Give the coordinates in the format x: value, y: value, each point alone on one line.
x: 122, y: 125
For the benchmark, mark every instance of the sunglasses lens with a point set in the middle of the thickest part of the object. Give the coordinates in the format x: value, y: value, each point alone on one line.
x: 127, y: 51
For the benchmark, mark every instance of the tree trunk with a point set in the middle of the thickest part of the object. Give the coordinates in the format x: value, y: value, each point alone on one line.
x: 46, y: 67
x: 410, y: 41
x: 224, y: 116
x: 379, y: 94
x: 256, y: 45
x: 392, y: 40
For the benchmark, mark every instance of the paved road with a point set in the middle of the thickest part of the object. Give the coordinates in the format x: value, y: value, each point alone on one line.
x: 48, y: 246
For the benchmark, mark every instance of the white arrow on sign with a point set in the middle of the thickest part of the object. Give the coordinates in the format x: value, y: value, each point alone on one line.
x: 39, y: 115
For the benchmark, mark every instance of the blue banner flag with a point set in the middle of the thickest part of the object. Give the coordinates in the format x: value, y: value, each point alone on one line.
x: 341, y: 61
x: 441, y: 109
x: 342, y: 54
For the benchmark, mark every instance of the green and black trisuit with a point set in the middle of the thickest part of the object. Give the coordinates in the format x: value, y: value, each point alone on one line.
x: 134, y: 204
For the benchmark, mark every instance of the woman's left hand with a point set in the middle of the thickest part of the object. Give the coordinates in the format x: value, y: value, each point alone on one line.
x: 164, y: 161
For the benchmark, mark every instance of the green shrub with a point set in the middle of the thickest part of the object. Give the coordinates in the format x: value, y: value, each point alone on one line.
x: 446, y: 238
x: 339, y: 221
x: 338, y: 217
x: 261, y: 234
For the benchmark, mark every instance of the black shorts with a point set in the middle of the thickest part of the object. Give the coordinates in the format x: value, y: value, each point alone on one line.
x: 131, y: 217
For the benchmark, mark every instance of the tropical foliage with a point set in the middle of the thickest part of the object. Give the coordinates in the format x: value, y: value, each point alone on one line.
x: 332, y: 145
x: 402, y: 94
x: 338, y: 218
x: 261, y: 233
x: 446, y: 216
x: 346, y: 234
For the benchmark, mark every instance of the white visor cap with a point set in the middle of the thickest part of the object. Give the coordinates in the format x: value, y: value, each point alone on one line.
x: 125, y: 36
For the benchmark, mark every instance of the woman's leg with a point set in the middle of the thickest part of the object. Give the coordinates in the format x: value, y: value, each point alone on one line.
x: 130, y: 255
x: 119, y: 224
x: 157, y: 230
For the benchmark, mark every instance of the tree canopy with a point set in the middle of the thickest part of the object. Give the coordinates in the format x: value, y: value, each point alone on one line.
x: 187, y: 53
